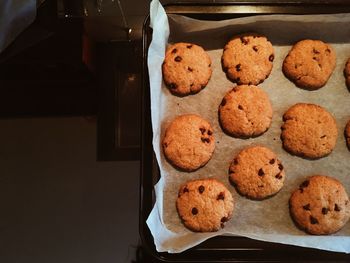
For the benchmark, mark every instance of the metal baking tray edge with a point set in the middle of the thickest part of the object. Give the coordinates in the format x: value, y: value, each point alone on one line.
x: 221, y: 248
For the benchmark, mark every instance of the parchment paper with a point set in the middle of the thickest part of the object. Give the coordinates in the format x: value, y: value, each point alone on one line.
x: 267, y: 220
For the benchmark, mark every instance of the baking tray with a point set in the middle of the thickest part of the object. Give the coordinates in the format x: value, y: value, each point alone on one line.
x: 222, y: 248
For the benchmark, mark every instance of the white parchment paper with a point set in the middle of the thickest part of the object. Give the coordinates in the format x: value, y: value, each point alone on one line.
x: 267, y: 220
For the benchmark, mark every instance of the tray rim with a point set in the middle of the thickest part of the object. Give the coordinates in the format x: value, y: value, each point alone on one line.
x: 149, y: 163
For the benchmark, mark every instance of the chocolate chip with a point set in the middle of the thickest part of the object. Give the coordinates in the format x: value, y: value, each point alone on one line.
x: 255, y: 48
x: 235, y: 161
x: 202, y: 130
x: 194, y: 211
x: 224, y: 219
x: 328, y: 50
x: 271, y: 57
x: 189, y: 69
x: 324, y: 210
x: 306, y: 207
x: 223, y: 102
x: 315, y: 51
x: 280, y: 166
x: 178, y: 58
x: 261, y: 172
x: 174, y: 51
x: 238, y: 80
x: 272, y: 161
x: 192, y: 84
x: 240, y: 107
x: 189, y: 46
x: 304, y: 184
x: 279, y: 176
x: 210, y: 132
x: 313, y: 220
x: 244, y: 40
x: 205, y: 140
x: 323, y: 136
x: 172, y: 86
x: 185, y: 190
x: 209, y: 65
x: 314, y: 58
x: 201, y: 189
x: 336, y: 208
x: 238, y: 67
x: 260, y: 186
x: 221, y: 196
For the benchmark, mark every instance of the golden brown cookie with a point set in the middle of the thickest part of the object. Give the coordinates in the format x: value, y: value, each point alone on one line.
x: 245, y: 111
x: 309, y: 131
x: 204, y: 205
x: 320, y: 206
x: 247, y: 59
x: 309, y: 64
x: 186, y: 68
x: 347, y: 134
x: 189, y: 142
x: 347, y: 73
x: 257, y: 173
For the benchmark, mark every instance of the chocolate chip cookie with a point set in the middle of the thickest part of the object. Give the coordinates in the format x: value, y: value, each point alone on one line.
x: 320, y: 206
x: 309, y: 131
x: 347, y: 73
x: 247, y: 59
x: 188, y: 143
x: 245, y: 111
x: 309, y: 64
x: 257, y: 173
x: 186, y: 68
x: 204, y: 205
x: 347, y: 134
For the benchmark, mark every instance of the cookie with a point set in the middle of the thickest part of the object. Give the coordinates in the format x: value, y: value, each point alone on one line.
x: 204, y: 205
x: 309, y: 64
x: 245, y: 111
x: 347, y: 134
x: 320, y: 206
x: 189, y: 142
x: 257, y: 173
x: 347, y: 73
x: 247, y: 59
x: 309, y: 131
x: 186, y: 68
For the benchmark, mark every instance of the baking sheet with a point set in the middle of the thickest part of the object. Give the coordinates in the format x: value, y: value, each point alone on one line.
x: 266, y: 220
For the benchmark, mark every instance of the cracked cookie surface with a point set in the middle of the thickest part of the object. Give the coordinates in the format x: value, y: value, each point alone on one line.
x: 309, y: 64
x: 309, y: 131
x: 320, y: 205
x: 257, y: 173
x: 245, y: 111
x: 204, y: 205
x: 247, y: 59
x: 186, y: 68
x: 188, y: 143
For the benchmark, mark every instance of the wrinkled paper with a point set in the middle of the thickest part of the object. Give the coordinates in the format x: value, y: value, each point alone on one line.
x: 266, y: 220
